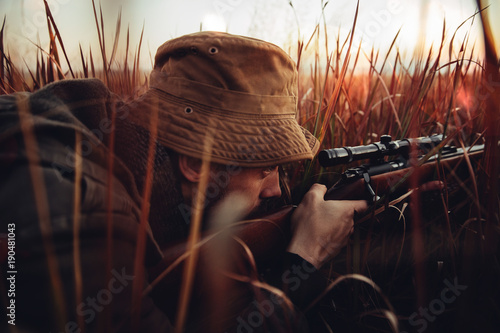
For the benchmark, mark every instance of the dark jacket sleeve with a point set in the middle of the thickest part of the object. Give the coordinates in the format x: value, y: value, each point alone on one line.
x: 298, y: 278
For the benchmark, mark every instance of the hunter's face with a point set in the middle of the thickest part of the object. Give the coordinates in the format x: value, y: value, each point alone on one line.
x: 251, y: 186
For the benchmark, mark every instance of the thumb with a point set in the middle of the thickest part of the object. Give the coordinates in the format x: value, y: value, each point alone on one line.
x: 318, y: 189
x: 359, y: 206
x: 315, y: 194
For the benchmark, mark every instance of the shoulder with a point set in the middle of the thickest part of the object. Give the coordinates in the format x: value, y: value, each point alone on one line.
x: 86, y: 99
x: 75, y: 88
x: 77, y: 101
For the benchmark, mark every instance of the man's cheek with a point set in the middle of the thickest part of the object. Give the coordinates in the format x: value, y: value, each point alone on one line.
x: 231, y: 208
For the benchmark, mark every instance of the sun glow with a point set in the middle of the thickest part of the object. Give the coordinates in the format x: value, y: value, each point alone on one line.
x: 213, y: 22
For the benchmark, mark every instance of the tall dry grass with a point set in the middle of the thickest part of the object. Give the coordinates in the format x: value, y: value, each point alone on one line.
x: 439, y: 91
x: 122, y: 76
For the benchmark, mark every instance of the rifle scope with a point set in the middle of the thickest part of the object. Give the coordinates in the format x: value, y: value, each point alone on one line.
x: 376, y: 151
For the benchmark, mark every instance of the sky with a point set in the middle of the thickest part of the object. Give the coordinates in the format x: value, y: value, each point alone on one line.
x: 276, y: 21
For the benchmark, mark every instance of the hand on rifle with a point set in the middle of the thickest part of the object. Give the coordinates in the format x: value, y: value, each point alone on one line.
x: 320, y: 229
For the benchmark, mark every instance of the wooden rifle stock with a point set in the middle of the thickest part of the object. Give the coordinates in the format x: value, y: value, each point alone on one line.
x: 263, y: 236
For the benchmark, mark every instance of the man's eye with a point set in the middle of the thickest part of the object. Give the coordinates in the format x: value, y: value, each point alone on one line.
x: 270, y: 169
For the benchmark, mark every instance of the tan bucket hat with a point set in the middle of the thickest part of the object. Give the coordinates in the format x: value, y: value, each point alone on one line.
x: 239, y: 92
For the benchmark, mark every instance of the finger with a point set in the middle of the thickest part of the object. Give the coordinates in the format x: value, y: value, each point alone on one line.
x: 318, y: 190
x: 319, y: 187
x: 435, y: 185
x: 359, y: 206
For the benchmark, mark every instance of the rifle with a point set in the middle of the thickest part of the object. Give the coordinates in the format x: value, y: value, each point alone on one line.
x: 394, y: 168
x: 417, y: 160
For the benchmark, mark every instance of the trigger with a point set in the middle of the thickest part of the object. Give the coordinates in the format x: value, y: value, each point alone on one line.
x: 371, y: 196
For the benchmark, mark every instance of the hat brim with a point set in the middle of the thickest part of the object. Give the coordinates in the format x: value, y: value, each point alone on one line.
x: 246, y: 140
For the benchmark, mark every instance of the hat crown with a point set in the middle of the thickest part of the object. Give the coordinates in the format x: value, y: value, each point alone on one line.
x: 228, y: 62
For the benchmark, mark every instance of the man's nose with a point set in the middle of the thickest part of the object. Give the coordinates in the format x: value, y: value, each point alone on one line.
x: 272, y: 186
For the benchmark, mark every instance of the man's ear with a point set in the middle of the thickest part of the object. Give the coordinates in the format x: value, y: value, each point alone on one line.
x: 190, y: 168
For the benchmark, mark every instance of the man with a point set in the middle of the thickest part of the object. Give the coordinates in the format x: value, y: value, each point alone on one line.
x: 210, y: 133
x: 232, y: 100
